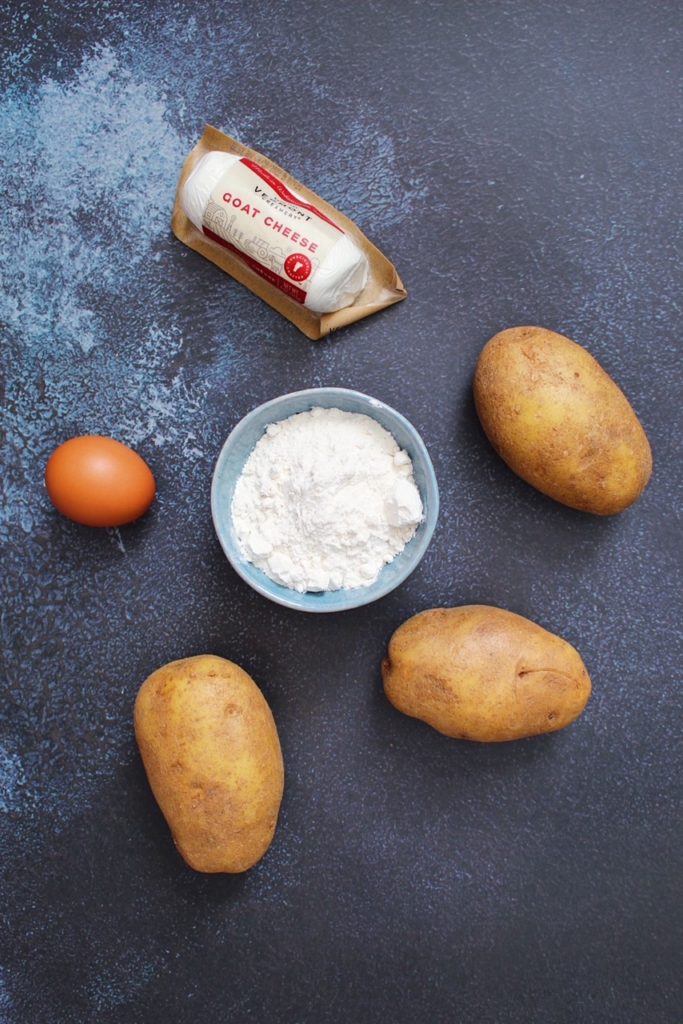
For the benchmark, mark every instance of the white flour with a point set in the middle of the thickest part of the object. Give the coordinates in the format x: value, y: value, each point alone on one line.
x: 325, y: 499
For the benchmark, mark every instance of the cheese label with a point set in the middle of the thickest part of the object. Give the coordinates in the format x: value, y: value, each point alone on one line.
x: 283, y: 238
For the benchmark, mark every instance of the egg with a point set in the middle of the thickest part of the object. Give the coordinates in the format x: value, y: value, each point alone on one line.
x: 98, y: 481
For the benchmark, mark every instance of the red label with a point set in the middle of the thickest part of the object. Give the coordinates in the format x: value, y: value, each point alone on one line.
x: 298, y: 266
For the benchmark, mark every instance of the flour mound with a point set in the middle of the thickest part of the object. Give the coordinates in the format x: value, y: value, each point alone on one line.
x: 325, y: 500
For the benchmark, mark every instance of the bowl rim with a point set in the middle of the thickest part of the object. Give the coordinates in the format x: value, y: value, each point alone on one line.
x: 423, y: 537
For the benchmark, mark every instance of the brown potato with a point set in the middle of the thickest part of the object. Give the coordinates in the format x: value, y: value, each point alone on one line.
x: 212, y: 755
x: 560, y: 422
x: 485, y: 674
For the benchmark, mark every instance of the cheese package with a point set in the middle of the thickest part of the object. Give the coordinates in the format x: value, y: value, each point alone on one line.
x: 286, y: 244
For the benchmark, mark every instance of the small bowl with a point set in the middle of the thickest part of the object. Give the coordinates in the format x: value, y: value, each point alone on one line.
x: 238, y: 448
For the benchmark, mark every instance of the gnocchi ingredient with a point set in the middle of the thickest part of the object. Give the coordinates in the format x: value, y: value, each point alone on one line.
x: 212, y: 755
x: 560, y: 422
x: 280, y: 236
x: 325, y: 500
x: 482, y: 673
x: 97, y: 481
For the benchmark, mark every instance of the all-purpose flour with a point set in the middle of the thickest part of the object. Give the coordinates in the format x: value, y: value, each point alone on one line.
x: 325, y: 499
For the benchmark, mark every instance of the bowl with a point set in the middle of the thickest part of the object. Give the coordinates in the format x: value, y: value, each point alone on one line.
x: 239, y: 447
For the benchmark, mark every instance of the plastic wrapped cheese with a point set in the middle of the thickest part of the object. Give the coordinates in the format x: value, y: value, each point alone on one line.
x: 289, y: 246
x: 336, y: 281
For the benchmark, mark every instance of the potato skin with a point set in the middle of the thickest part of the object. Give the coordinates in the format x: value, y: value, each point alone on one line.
x: 213, y: 760
x: 560, y: 422
x: 485, y: 674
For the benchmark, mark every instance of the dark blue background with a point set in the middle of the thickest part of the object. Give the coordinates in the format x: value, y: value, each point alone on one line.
x: 518, y: 160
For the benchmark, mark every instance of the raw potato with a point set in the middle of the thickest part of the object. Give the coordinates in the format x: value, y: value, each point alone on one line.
x: 560, y: 422
x: 485, y: 674
x: 212, y: 755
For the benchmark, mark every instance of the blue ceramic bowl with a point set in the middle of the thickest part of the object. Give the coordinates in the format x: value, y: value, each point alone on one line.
x: 239, y: 447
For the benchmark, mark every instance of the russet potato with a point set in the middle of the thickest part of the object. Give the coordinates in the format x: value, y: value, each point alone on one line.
x: 485, y: 674
x: 560, y: 422
x: 212, y: 755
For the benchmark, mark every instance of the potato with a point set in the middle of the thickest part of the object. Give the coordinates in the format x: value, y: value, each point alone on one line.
x: 485, y: 674
x: 212, y: 756
x: 560, y: 422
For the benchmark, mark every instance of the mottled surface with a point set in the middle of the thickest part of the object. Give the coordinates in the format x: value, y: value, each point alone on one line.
x: 518, y: 160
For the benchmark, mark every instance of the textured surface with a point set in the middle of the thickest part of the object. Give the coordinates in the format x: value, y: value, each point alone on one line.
x: 518, y: 160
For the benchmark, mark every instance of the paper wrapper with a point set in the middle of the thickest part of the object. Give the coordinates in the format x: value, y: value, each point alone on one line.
x: 384, y: 286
